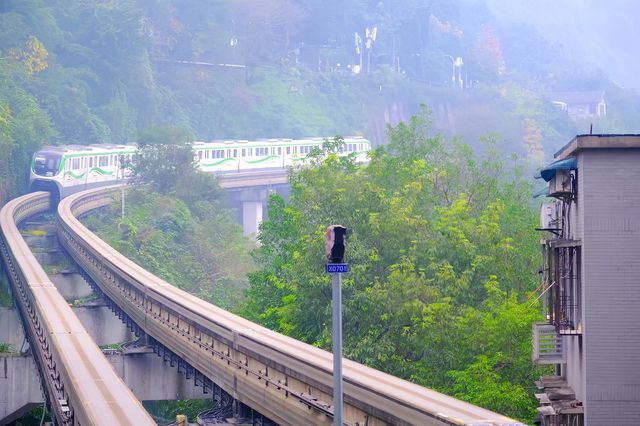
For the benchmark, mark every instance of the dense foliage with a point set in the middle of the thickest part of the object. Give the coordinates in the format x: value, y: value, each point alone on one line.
x: 179, y: 229
x: 442, y: 252
x: 103, y: 71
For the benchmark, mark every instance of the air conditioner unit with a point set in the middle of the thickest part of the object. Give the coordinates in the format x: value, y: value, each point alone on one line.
x: 561, y: 183
x: 550, y: 215
x: 548, y: 345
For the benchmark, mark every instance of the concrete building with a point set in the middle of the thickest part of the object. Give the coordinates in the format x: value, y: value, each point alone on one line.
x: 591, y: 284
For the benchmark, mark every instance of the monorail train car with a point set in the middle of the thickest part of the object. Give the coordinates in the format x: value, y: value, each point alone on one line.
x: 63, y: 170
x: 244, y: 155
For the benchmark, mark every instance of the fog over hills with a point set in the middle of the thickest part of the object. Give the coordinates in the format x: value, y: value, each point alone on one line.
x: 604, y: 33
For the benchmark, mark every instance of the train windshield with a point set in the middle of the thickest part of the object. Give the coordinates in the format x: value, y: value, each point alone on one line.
x: 46, y: 163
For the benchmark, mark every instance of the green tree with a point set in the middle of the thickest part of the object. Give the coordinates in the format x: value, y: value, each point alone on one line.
x: 442, y: 250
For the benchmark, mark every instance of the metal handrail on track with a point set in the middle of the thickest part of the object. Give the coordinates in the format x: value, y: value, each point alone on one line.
x: 79, y: 383
x: 282, y: 378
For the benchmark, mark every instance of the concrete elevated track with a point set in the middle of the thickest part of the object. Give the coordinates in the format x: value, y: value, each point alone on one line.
x: 286, y: 380
x: 78, y: 382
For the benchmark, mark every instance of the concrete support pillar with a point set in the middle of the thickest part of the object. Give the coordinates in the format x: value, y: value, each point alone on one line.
x: 251, y: 216
x: 19, y: 387
x: 152, y: 379
x: 19, y: 382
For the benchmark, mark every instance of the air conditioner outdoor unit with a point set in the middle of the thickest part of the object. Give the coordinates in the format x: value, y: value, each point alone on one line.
x: 560, y: 183
x: 550, y: 215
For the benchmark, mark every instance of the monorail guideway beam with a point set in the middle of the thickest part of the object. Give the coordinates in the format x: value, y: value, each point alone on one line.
x: 53, y: 388
x: 78, y: 382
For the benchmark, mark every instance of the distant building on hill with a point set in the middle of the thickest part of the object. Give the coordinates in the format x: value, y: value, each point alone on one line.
x: 581, y: 105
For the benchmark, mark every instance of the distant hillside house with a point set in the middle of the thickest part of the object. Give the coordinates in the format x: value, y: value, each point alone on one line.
x: 581, y: 105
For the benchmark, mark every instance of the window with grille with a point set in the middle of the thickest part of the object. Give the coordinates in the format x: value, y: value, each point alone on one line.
x: 563, y: 281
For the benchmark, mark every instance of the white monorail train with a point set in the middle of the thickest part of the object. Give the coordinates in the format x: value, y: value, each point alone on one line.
x: 65, y: 169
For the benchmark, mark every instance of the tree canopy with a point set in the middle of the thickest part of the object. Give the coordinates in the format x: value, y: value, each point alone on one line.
x: 442, y: 253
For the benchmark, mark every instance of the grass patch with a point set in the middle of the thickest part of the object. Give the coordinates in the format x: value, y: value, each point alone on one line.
x: 35, y: 232
x: 111, y: 347
x: 6, y: 348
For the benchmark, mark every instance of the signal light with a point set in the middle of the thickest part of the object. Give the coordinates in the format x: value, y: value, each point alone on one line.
x: 334, y: 238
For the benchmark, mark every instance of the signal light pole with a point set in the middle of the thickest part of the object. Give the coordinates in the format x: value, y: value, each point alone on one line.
x: 334, y: 248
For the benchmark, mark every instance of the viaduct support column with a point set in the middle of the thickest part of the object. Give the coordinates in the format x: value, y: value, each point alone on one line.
x: 251, y: 216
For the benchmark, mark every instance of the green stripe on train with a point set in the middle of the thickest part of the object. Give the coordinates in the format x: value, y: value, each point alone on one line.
x: 217, y: 163
x: 262, y: 160
x: 73, y: 175
x: 101, y: 171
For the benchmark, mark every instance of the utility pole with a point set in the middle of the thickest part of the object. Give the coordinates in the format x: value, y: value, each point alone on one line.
x: 334, y: 248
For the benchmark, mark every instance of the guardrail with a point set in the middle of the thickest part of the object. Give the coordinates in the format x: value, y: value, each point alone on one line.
x: 282, y: 378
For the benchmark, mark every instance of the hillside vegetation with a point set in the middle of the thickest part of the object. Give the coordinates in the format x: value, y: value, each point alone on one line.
x: 103, y: 71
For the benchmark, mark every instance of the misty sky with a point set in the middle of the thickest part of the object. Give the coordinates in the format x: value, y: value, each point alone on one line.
x: 603, y: 32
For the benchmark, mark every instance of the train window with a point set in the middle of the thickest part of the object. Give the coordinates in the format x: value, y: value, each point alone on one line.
x: 295, y: 149
x: 279, y: 150
x: 206, y: 154
x: 90, y: 161
x: 360, y: 147
x: 228, y: 153
x: 46, y: 164
x: 244, y: 152
x: 250, y: 152
x: 75, y: 163
x: 235, y: 153
x: 199, y: 155
x: 288, y: 150
x: 103, y: 161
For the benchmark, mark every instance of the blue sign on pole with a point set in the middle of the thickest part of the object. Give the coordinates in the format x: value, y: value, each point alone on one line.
x: 337, y: 268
